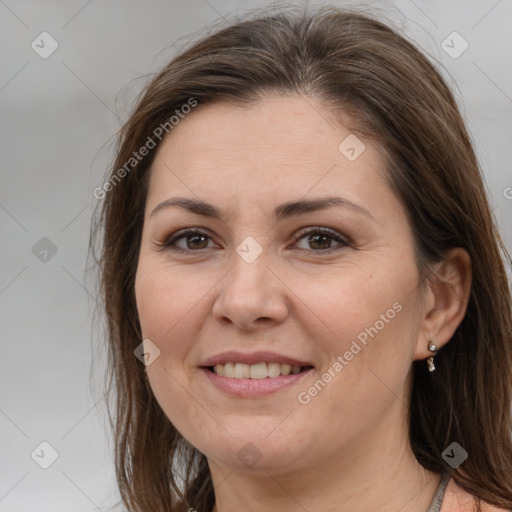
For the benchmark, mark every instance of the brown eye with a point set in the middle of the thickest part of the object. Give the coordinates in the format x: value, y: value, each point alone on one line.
x: 193, y: 241
x: 196, y: 241
x: 321, y: 240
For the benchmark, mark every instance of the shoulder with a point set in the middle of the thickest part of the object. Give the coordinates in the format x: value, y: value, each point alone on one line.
x: 457, y: 499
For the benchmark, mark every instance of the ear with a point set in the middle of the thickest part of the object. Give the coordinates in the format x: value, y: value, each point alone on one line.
x: 445, y: 301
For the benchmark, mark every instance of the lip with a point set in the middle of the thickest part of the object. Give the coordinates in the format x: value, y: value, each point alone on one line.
x: 253, y: 388
x: 252, y: 358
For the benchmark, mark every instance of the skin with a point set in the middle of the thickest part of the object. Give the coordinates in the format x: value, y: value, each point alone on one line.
x: 349, y: 445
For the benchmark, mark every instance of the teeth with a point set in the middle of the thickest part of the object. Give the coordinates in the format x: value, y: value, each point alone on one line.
x: 285, y: 369
x: 273, y: 369
x: 242, y: 371
x: 254, y: 371
x: 229, y: 369
x: 258, y: 371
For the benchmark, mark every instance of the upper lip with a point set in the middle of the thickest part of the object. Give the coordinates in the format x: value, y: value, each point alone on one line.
x: 252, y: 358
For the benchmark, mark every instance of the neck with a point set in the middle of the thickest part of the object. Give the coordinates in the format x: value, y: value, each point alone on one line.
x: 376, y: 472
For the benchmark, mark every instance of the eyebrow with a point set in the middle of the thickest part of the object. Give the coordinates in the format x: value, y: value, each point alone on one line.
x: 282, y: 211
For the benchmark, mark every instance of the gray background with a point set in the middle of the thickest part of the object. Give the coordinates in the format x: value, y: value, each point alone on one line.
x: 58, y: 119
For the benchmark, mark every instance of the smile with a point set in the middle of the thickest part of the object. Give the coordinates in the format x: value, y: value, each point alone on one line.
x: 255, y: 371
x: 255, y: 374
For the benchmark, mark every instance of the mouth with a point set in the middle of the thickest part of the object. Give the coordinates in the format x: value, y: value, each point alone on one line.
x: 256, y: 371
x: 254, y: 375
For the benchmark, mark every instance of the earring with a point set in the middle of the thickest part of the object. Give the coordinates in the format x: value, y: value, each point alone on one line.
x: 430, y: 361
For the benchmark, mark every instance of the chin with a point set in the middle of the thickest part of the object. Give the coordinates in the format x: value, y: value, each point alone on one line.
x: 254, y: 446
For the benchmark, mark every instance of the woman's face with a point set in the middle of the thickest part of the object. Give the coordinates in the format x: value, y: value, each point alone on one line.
x: 277, y: 281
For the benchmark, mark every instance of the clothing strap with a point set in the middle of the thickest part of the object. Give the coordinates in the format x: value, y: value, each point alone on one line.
x: 437, y: 502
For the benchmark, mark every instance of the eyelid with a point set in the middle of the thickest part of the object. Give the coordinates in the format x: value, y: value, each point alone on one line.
x: 320, y: 229
x: 168, y: 241
x: 344, y: 241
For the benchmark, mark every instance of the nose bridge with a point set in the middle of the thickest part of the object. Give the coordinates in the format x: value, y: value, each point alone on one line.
x: 248, y: 276
x: 250, y: 291
x: 250, y: 265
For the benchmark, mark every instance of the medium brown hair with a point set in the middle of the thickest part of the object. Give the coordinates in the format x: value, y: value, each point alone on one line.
x: 355, y: 65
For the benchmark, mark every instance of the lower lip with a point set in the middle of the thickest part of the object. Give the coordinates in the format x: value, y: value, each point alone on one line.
x: 248, y: 388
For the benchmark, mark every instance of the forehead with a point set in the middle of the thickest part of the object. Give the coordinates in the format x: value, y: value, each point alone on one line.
x: 268, y: 128
x: 277, y: 146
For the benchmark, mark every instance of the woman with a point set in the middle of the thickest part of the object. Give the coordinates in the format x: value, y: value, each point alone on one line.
x: 298, y: 248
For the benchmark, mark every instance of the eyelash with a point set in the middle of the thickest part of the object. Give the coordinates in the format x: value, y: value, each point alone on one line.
x: 170, y: 241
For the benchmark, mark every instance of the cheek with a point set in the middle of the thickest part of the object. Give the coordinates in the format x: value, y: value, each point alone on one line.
x: 166, y: 308
x: 169, y: 301
x: 366, y: 373
x: 170, y: 312
x: 369, y: 319
x: 354, y: 302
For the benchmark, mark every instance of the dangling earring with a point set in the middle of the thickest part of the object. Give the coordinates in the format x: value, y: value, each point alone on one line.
x: 430, y: 361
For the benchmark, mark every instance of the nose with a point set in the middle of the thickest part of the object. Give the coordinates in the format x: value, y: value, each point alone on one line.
x: 251, y: 296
